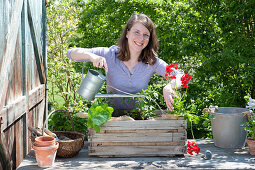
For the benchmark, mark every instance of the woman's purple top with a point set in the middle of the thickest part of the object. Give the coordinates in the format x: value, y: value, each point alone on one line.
x: 120, y: 77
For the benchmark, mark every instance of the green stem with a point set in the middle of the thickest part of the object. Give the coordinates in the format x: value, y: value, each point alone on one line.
x: 156, y: 104
x: 191, y: 129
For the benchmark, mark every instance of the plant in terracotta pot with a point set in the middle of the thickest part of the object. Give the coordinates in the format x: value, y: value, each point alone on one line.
x: 249, y: 127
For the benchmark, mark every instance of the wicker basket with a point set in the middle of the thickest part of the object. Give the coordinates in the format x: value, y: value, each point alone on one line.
x: 68, y: 148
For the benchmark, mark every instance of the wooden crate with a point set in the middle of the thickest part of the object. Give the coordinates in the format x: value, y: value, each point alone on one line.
x: 139, y: 138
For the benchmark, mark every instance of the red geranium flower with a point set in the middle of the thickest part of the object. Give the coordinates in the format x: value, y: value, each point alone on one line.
x: 166, y: 75
x: 171, y: 74
x: 185, y: 80
x: 170, y: 71
x: 172, y: 65
x: 184, y: 85
x: 192, y: 147
x: 173, y: 77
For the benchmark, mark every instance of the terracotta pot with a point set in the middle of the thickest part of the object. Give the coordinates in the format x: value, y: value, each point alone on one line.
x: 44, y: 141
x: 251, y: 145
x: 45, y: 156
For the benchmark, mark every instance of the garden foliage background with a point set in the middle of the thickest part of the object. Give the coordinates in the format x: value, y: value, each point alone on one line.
x: 211, y: 40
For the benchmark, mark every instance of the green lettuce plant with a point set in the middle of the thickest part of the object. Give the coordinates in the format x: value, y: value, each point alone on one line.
x: 98, y: 114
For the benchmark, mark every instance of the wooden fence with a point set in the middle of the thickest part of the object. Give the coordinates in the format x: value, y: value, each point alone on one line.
x: 23, y: 73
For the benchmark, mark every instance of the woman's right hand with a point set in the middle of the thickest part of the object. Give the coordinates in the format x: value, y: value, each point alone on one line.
x: 168, y: 93
x: 99, y: 62
x: 80, y: 54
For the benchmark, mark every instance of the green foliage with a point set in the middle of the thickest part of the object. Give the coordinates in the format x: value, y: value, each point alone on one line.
x: 250, y: 127
x: 63, y: 80
x: 98, y: 113
x: 60, y: 121
x: 198, y: 125
x: 226, y: 69
x: 153, y: 100
x: 145, y: 105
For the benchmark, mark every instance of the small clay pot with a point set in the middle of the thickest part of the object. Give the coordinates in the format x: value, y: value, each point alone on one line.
x: 251, y: 145
x: 45, y: 156
x: 44, y: 141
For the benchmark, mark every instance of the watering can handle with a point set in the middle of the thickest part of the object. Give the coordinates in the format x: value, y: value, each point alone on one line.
x: 83, y: 70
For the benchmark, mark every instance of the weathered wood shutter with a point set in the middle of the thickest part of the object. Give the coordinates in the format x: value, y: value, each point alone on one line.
x: 23, y: 72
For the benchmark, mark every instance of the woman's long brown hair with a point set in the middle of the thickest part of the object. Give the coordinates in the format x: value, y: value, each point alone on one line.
x: 149, y: 53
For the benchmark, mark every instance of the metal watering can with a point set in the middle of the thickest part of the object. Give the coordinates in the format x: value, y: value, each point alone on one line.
x: 92, y: 83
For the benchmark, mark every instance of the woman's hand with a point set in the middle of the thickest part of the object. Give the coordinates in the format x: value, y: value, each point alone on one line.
x: 169, y: 93
x: 80, y: 54
x: 99, y: 62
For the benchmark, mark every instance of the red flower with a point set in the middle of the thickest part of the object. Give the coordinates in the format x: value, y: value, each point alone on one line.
x: 186, y: 77
x: 197, y: 150
x: 185, y: 80
x: 172, y: 65
x: 192, y: 147
x: 173, y: 77
x: 184, y: 85
x: 168, y: 69
x: 166, y: 75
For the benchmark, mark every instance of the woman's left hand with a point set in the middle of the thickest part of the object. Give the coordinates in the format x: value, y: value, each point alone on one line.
x: 168, y: 93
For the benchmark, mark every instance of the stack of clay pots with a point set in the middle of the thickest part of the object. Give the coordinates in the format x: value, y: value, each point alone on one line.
x: 45, y: 148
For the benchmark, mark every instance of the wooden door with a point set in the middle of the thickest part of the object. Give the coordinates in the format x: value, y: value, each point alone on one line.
x: 23, y: 72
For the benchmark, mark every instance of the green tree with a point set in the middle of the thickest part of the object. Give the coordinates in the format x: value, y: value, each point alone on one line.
x: 63, y: 80
x: 227, y: 46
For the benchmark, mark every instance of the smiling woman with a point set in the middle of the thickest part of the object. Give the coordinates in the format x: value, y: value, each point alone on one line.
x: 133, y: 59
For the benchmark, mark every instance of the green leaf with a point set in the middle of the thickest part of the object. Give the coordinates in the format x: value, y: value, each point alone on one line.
x: 97, y: 128
x: 99, y: 113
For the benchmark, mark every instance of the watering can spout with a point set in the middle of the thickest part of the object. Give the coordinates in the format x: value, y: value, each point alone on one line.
x: 91, y: 84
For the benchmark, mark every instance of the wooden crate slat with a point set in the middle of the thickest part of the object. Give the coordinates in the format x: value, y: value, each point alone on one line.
x: 176, y: 129
x: 144, y: 124
x: 174, y: 143
x: 143, y: 131
x: 134, y: 137
x: 129, y: 151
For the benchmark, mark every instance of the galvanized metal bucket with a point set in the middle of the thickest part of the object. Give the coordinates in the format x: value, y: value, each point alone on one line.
x: 226, y: 127
x: 91, y: 84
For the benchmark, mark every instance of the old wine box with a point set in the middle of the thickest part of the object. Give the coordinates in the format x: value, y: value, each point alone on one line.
x: 129, y: 138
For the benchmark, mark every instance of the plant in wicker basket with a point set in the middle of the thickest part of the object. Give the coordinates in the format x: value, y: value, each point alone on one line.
x: 70, y: 142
